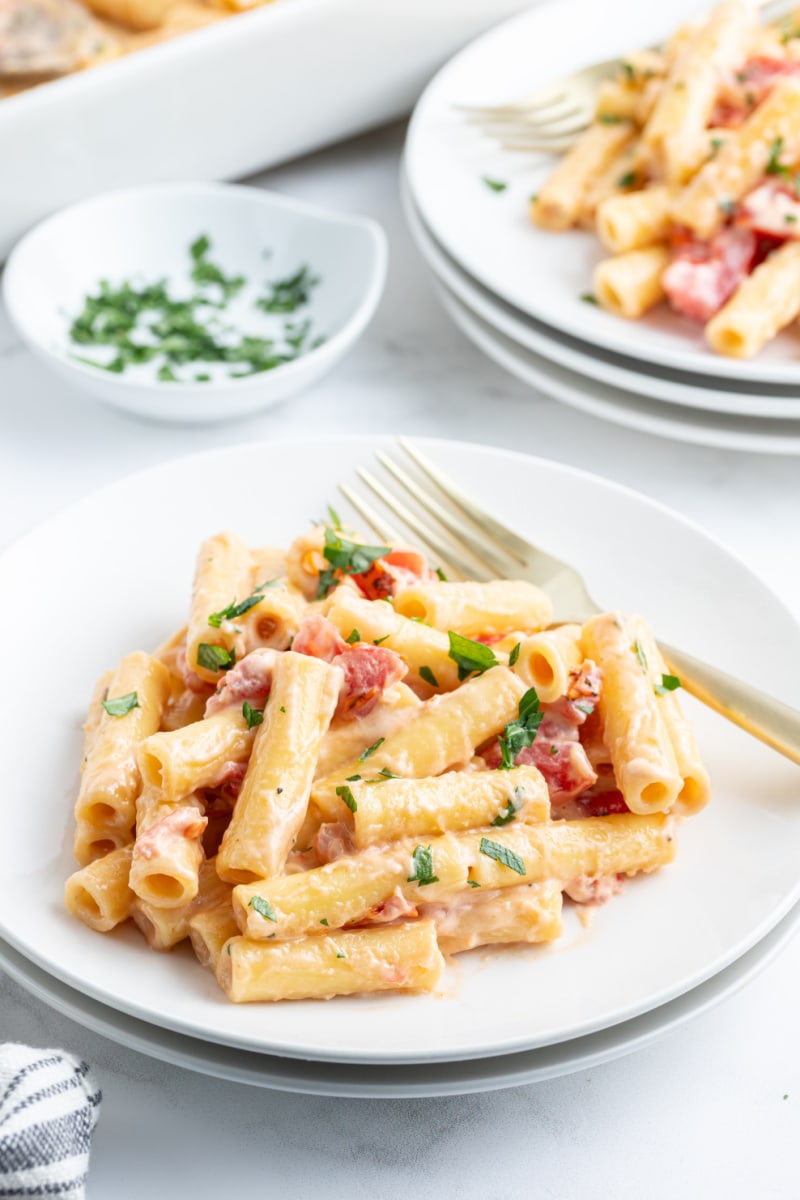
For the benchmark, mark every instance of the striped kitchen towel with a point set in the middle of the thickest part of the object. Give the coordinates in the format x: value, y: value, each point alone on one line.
x: 49, y: 1105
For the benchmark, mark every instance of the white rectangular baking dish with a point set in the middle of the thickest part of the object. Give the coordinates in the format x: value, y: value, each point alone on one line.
x: 226, y: 100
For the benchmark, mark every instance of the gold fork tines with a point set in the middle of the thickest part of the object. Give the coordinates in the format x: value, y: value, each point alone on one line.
x: 471, y: 543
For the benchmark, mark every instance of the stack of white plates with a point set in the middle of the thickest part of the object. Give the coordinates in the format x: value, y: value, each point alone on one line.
x: 519, y: 293
x: 673, y: 944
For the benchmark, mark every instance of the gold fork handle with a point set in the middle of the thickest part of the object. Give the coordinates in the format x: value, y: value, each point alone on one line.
x: 761, y: 715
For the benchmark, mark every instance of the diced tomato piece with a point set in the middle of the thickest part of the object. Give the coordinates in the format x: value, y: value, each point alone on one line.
x: 703, y: 275
x: 368, y: 671
x: 604, y: 803
x: 393, y: 573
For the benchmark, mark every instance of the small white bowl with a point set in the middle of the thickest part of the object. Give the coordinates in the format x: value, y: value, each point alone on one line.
x: 144, y: 233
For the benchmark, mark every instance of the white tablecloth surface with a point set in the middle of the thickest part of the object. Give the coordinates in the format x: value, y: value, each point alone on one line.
x: 709, y: 1111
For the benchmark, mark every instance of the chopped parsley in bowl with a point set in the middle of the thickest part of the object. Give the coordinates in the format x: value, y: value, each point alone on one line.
x: 207, y: 326
x: 194, y: 302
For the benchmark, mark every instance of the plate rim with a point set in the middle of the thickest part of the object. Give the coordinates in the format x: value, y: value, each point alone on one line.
x: 579, y: 394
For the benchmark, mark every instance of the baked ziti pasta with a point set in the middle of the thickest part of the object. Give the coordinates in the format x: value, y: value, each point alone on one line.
x: 47, y: 39
x: 414, y: 767
x: 690, y: 177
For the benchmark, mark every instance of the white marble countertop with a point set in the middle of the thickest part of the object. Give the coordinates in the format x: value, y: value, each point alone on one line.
x: 711, y: 1109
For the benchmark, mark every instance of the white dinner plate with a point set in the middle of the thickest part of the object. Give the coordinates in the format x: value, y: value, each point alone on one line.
x: 654, y: 383
x: 398, y: 1080
x: 489, y: 233
x: 113, y: 572
x: 633, y: 410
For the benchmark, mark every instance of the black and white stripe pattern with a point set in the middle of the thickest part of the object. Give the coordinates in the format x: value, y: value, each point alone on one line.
x: 49, y: 1105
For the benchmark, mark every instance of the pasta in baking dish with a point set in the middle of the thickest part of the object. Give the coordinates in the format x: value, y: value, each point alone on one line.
x: 690, y: 176
x: 346, y: 766
x: 47, y: 39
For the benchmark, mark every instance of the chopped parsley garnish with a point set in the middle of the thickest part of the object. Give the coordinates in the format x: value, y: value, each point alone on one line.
x: 354, y: 637
x: 427, y: 674
x: 716, y: 145
x: 346, y: 557
x: 282, y: 709
x: 514, y: 655
x: 774, y: 165
x: 235, y: 610
x: 353, y: 778
x: 263, y: 908
x: 790, y: 218
x: 669, y: 683
x: 642, y: 657
x: 507, y: 814
x: 470, y: 656
x: 340, y: 954
x: 214, y: 658
x: 627, y: 180
x: 345, y: 794
x: 441, y: 575
x: 253, y: 716
x: 120, y: 706
x: 205, y: 272
x: 503, y: 855
x: 727, y: 206
x: 628, y: 70
x: 324, y: 921
x: 370, y: 750
x: 336, y: 520
x: 609, y: 119
x: 287, y: 295
x: 554, y: 749
x: 520, y: 733
x: 382, y: 775
x: 494, y: 185
x: 473, y: 883
x: 380, y: 641
x: 588, y: 298
x: 422, y: 859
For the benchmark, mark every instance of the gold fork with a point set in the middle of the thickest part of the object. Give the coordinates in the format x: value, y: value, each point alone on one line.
x: 489, y: 550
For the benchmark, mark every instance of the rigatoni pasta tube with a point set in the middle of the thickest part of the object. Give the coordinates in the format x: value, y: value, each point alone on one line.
x: 477, y: 608
x: 110, y: 781
x: 564, y: 850
x: 274, y: 797
x: 763, y: 304
x: 399, y: 957
x: 526, y: 913
x: 443, y: 732
x: 399, y: 808
x: 687, y: 99
x: 545, y: 660
x: 274, y: 621
x: 634, y: 731
x: 168, y: 853
x: 558, y: 204
x: 630, y: 284
x: 426, y: 650
x: 696, y: 790
x: 196, y: 756
x: 704, y: 202
x: 346, y: 891
x: 632, y: 220
x: 99, y: 894
x: 166, y: 927
x: 222, y: 576
x: 209, y: 930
